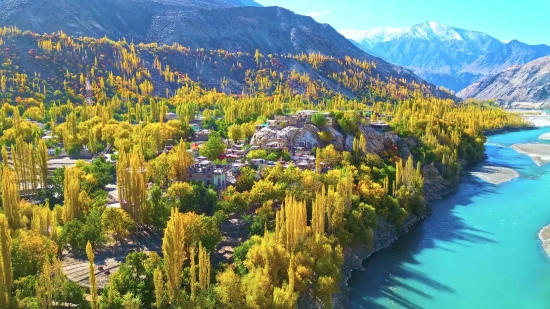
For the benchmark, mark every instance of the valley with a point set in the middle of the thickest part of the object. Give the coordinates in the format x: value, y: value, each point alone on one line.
x: 231, y: 154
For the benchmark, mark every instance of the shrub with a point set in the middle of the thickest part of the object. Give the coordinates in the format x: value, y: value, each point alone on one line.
x: 319, y: 120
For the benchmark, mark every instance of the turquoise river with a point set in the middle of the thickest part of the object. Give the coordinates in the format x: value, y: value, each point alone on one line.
x: 479, y: 248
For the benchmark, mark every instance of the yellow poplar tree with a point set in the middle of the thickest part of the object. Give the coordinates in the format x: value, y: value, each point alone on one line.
x: 44, y: 289
x: 130, y: 172
x: 11, y: 197
x: 6, y: 270
x: 71, y: 192
x: 173, y: 248
x: 93, y: 281
x: 42, y: 160
x: 158, y: 278
x: 318, y: 214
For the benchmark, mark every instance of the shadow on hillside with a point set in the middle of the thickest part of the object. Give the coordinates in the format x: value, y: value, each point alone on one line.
x: 388, y: 273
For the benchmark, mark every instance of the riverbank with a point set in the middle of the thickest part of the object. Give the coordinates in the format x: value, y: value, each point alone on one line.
x: 458, y: 250
x: 511, y: 129
x: 435, y: 188
x: 387, y: 233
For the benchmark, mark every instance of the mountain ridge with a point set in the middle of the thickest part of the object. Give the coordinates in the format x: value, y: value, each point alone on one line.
x: 528, y: 83
x: 209, y: 24
x: 447, y: 56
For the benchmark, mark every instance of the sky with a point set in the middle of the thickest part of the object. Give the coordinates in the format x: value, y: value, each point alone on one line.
x: 524, y: 20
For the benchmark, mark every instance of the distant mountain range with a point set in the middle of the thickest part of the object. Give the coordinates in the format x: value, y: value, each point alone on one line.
x: 445, y: 55
x: 528, y: 83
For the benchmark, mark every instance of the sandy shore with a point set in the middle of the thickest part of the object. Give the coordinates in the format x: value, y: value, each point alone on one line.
x: 540, y: 153
x: 533, y: 115
x: 539, y: 121
x: 494, y: 174
x: 544, y: 236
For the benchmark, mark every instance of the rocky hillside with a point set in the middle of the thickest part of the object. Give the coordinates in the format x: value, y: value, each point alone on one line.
x: 445, y: 55
x: 528, y: 83
x: 97, y: 18
x: 226, y: 25
x: 272, y: 30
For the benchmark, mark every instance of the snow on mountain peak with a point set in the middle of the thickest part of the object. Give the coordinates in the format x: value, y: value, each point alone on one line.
x: 432, y: 30
x: 375, y: 35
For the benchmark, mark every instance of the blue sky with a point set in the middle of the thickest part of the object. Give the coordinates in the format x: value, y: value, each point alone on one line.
x: 524, y: 20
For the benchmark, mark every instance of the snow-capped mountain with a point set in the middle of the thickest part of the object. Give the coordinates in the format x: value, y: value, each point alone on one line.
x: 371, y: 37
x: 441, y: 54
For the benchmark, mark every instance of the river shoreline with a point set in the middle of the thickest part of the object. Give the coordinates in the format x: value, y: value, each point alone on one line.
x: 354, y: 257
x: 385, y: 235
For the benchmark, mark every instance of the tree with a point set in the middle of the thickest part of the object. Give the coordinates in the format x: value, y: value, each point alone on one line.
x: 319, y: 120
x: 42, y: 160
x: 229, y: 290
x: 93, y: 280
x: 159, y: 288
x: 28, y: 253
x: 331, y: 156
x: 203, y: 271
x: 11, y: 197
x: 214, y: 147
x: 191, y: 197
x: 180, y: 160
x: 71, y: 192
x: 79, y: 232
x: 117, y: 222
x: 175, y: 252
x: 136, y: 276
x: 235, y: 132
x: 44, y: 288
x: 130, y: 171
x: 159, y: 210
x: 6, y: 270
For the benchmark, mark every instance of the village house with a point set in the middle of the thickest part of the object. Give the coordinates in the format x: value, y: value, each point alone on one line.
x: 302, y: 117
x: 202, y: 135
x: 282, y: 121
x: 209, y: 173
x: 380, y: 125
x: 171, y: 116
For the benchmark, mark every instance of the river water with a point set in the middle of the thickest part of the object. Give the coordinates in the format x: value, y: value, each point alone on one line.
x: 479, y: 249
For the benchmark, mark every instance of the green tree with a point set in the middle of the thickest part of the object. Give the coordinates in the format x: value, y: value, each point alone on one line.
x: 214, y: 147
x: 319, y: 120
x: 135, y: 276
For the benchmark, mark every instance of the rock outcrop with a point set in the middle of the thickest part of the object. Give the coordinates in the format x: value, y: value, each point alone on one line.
x: 308, y: 135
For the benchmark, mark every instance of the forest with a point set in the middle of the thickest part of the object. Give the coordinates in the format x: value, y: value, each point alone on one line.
x: 298, y: 221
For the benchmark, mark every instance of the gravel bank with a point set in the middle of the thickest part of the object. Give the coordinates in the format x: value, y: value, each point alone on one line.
x: 540, y: 153
x: 544, y: 236
x: 494, y: 174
